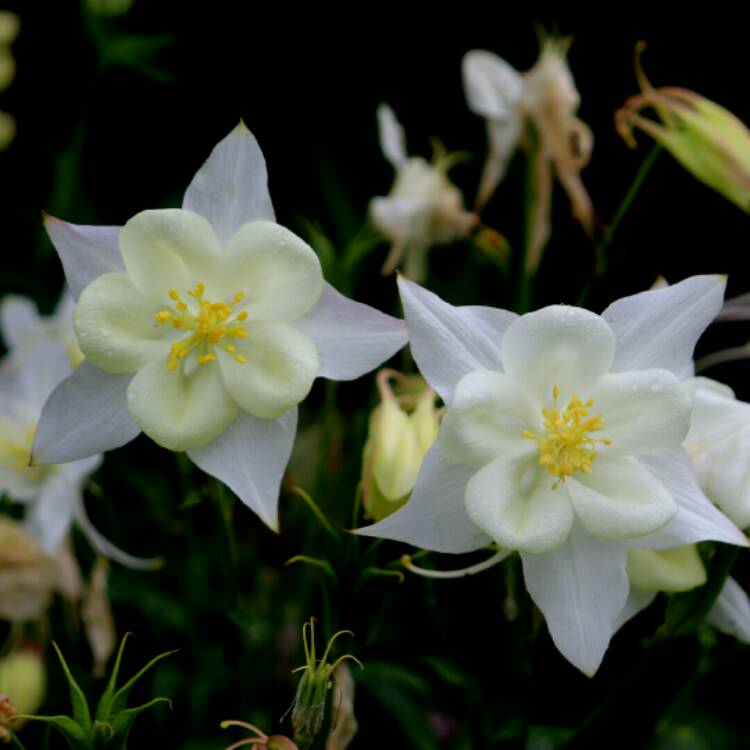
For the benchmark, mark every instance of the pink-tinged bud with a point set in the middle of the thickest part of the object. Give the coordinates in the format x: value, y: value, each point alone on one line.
x: 708, y: 140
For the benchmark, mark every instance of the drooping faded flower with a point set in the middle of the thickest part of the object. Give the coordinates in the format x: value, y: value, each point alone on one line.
x: 562, y: 441
x: 423, y: 209
x: 536, y: 110
x: 204, y: 327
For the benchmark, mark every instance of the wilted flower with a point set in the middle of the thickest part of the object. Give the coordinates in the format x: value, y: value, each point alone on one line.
x: 423, y: 209
x: 27, y: 575
x: 402, y: 429
x: 7, y: 712
x: 546, y: 100
x: 708, y: 140
x: 260, y: 739
x: 561, y: 440
x: 97, y: 617
x: 23, y: 679
x: 204, y: 327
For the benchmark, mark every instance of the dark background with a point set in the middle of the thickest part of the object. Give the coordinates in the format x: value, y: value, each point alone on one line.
x: 107, y: 126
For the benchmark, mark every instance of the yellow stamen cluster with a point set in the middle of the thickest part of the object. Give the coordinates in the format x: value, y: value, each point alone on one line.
x: 567, y: 446
x: 210, y: 325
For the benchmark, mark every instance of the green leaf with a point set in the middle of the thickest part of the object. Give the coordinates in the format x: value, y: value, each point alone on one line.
x: 76, y: 737
x: 103, y: 710
x: 81, y: 713
x: 124, y: 720
x: 121, y: 696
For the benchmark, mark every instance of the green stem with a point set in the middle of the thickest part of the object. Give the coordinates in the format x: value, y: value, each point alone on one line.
x: 523, y: 300
x: 15, y: 742
x: 604, y: 243
x: 224, y: 505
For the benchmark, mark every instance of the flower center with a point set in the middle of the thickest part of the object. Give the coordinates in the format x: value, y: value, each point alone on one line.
x: 210, y: 324
x: 567, y: 446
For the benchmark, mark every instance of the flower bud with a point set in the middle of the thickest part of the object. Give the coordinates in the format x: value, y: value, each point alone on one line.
x: 676, y: 569
x: 708, y: 140
x: 27, y: 576
x: 309, y: 709
x: 402, y: 429
x: 23, y: 681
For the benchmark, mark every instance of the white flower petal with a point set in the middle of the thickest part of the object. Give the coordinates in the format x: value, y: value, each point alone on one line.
x: 493, y: 87
x: 697, y: 518
x: 569, y: 347
x: 19, y: 320
x: 86, y: 414
x: 250, y: 458
x: 727, y: 480
x: 487, y: 418
x: 644, y: 411
x: 620, y: 499
x: 660, y: 327
x: 731, y: 611
x: 281, y: 364
x: 116, y: 325
x: 170, y: 249
x: 351, y: 338
x: 180, y: 411
x: 638, y: 600
x: 278, y: 272
x: 581, y: 588
x: 392, y: 136
x: 449, y: 342
x: 513, y: 502
x: 49, y: 517
x: 43, y: 366
x: 435, y: 517
x: 231, y: 188
x: 86, y: 252
x: 19, y: 485
x: 502, y: 138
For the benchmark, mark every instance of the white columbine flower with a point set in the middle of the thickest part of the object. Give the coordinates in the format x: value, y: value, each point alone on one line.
x: 204, y: 327
x: 561, y: 440
x: 53, y: 494
x: 423, y: 209
x: 719, y: 445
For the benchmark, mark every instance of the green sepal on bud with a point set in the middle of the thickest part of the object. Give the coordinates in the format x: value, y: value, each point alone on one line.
x: 708, y: 140
x: 111, y: 724
x: 309, y: 708
x: 402, y: 429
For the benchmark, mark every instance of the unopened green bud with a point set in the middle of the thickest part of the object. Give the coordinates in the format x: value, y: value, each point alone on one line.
x: 708, y: 140
x: 309, y: 710
x: 23, y: 680
x: 403, y: 427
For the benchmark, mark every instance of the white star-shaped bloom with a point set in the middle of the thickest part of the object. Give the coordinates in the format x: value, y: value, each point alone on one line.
x: 562, y: 441
x: 204, y: 327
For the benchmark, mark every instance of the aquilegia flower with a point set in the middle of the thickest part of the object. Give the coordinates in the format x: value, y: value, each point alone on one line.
x: 423, y: 209
x: 204, y: 327
x: 53, y: 494
x: 562, y: 441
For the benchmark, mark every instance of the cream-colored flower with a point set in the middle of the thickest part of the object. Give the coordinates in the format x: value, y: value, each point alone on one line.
x: 423, y: 209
